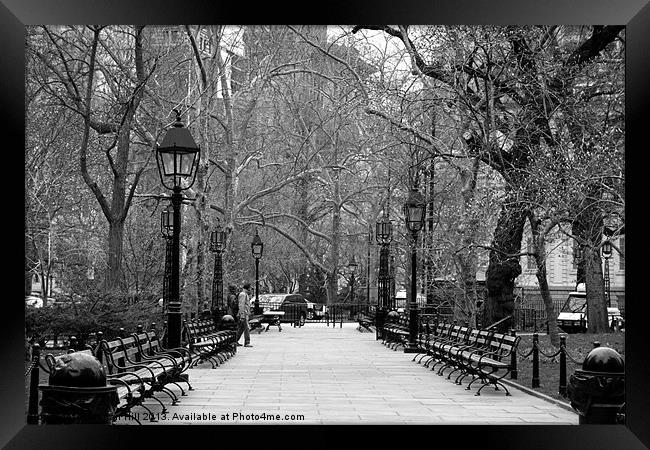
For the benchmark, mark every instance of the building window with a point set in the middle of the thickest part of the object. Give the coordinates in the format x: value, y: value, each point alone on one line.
x: 172, y: 36
x: 204, y: 44
x: 621, y: 257
x: 530, y: 259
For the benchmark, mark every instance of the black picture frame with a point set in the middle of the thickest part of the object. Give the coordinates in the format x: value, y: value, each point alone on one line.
x: 635, y: 14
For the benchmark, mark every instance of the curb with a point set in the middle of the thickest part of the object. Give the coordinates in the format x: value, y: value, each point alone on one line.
x: 534, y: 393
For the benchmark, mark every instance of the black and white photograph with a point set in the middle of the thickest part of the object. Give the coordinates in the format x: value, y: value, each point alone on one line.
x: 318, y: 225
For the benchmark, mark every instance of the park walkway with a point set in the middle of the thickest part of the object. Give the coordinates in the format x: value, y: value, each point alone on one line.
x: 323, y: 375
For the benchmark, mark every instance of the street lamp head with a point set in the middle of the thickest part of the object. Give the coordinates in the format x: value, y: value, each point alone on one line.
x: 414, y: 211
x: 352, y: 266
x: 384, y: 230
x: 167, y: 222
x: 257, y: 246
x: 606, y: 249
x: 177, y: 157
x: 217, y: 238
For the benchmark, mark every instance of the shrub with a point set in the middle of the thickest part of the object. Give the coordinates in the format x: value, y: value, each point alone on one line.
x: 107, y: 313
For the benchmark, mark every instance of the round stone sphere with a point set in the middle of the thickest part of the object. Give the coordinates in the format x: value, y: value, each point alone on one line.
x: 604, y: 359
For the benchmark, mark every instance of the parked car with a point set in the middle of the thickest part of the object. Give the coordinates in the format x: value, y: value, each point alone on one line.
x: 37, y: 302
x: 295, y: 306
x: 573, y: 315
x: 317, y: 311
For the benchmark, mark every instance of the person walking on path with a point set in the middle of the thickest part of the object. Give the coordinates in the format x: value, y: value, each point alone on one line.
x: 231, y: 302
x: 243, y: 300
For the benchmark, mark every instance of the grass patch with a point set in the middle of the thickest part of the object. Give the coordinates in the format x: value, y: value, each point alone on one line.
x: 578, y: 347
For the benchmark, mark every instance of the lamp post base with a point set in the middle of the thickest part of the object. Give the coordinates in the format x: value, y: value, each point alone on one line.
x: 174, y: 324
x: 380, y: 314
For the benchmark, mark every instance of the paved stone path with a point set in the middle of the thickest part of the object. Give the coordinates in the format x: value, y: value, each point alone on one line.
x: 323, y: 375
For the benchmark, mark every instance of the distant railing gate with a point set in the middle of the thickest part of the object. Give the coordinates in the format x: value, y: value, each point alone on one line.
x: 523, y: 319
x: 339, y: 313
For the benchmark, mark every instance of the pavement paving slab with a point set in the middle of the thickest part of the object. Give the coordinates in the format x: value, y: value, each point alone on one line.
x: 322, y: 375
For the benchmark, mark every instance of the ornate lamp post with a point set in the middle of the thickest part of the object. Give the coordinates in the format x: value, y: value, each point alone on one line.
x: 177, y: 157
x: 368, y: 267
x: 392, y: 292
x: 167, y: 230
x: 352, y: 267
x: 384, y: 235
x: 606, y: 250
x: 217, y: 241
x: 257, y: 248
x: 414, y: 216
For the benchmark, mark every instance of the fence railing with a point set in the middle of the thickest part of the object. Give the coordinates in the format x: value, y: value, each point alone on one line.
x: 522, y: 319
x: 535, y: 352
x: 350, y: 312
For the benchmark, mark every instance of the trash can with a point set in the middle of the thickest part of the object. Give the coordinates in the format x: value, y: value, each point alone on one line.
x: 77, y: 392
x: 597, y: 392
x: 227, y: 323
x: 392, y: 317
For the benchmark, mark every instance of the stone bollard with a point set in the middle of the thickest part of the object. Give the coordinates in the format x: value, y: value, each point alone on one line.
x: 535, y: 381
x: 597, y: 392
x: 562, y: 387
x: 32, y: 410
x: 513, y: 359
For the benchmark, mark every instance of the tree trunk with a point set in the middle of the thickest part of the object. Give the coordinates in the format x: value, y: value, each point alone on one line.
x: 589, y: 225
x: 201, y: 262
x: 465, y: 306
x: 202, y: 231
x: 467, y: 261
x: 115, y: 252
x: 189, y: 302
x: 503, y: 267
x: 539, y: 244
x: 551, y: 314
x: 597, y: 321
x: 332, y: 278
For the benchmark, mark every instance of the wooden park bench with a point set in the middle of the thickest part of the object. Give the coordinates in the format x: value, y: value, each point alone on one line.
x: 150, y: 348
x: 366, y: 321
x: 128, y: 362
x: 396, y: 333
x: 481, y: 354
x: 206, y: 343
x: 424, y: 338
x: 491, y: 362
x: 442, y: 347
